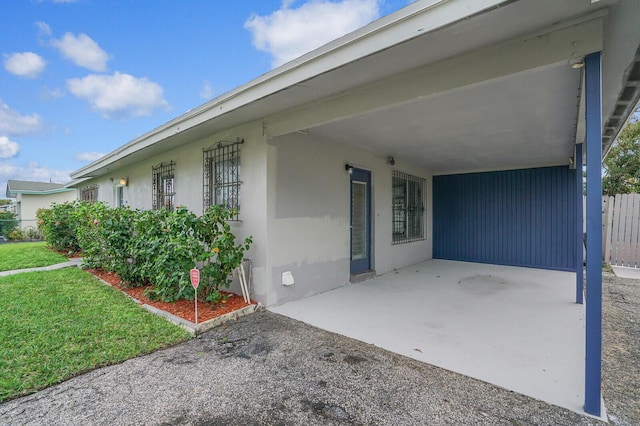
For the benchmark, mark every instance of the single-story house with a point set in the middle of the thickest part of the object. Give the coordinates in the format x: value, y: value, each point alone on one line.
x: 31, y: 196
x: 449, y: 129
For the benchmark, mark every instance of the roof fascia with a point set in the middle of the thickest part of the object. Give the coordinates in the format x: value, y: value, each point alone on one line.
x: 51, y: 191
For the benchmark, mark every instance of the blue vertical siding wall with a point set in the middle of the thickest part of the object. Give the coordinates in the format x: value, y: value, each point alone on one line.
x: 515, y: 217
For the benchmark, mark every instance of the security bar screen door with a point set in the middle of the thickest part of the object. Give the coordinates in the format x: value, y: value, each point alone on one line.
x: 360, y: 221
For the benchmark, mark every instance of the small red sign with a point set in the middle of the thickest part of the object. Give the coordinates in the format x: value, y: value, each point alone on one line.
x: 195, y: 277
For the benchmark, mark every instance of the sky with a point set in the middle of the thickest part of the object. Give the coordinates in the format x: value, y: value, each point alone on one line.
x: 80, y: 78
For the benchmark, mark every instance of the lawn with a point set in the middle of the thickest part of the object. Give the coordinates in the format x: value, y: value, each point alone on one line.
x: 27, y: 255
x: 57, y: 324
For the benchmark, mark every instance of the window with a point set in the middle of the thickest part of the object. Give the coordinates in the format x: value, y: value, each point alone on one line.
x: 163, y: 186
x: 221, y: 176
x: 408, y: 208
x: 89, y: 193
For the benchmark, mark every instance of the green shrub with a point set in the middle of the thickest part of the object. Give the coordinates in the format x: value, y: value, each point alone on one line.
x: 158, y: 247
x: 222, y: 254
x: 16, y: 235
x: 174, y: 242
x: 58, y: 225
x: 8, y: 223
x: 86, y: 217
x: 116, y: 233
x: 32, y: 233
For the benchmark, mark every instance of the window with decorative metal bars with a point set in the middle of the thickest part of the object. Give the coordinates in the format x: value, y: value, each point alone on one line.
x: 221, y: 176
x: 409, y: 199
x: 164, y: 186
x: 89, y: 193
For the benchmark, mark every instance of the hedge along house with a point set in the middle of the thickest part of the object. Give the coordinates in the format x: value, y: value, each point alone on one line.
x: 450, y: 129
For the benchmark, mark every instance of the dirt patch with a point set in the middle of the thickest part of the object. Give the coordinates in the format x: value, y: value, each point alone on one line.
x: 184, y: 309
x: 621, y: 349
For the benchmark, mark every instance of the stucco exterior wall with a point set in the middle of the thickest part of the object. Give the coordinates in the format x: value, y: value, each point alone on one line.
x: 30, y: 203
x: 189, y: 188
x: 295, y: 202
x: 309, y: 211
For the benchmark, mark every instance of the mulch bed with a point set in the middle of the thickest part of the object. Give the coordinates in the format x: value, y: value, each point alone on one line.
x: 184, y: 309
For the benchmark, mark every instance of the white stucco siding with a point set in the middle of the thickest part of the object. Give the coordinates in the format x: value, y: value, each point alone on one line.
x: 295, y: 203
x: 30, y: 203
x: 390, y: 256
x: 188, y: 183
x: 309, y: 214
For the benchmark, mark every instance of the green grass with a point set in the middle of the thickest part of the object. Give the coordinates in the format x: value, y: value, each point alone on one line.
x: 57, y: 324
x: 27, y: 255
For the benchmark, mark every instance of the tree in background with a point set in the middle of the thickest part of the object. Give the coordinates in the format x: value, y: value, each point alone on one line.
x: 4, y: 202
x: 8, y: 223
x: 621, y: 166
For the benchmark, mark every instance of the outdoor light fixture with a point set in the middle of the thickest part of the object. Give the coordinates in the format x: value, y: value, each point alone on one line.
x: 391, y: 161
x: 124, y: 182
x: 349, y: 168
x: 576, y: 64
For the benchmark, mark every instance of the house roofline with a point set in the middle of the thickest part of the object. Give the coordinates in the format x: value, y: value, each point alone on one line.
x: 346, y: 49
x: 47, y: 192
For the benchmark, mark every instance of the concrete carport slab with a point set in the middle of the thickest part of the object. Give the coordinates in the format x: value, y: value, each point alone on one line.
x: 517, y: 328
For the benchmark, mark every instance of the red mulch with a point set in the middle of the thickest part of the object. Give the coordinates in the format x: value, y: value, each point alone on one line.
x: 184, y: 309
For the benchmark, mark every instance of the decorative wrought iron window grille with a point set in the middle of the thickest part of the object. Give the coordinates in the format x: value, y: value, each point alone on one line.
x: 409, y: 199
x: 221, y: 176
x: 163, y: 186
x: 89, y: 193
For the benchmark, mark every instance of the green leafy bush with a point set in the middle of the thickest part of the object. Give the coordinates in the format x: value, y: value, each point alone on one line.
x: 8, y: 223
x: 158, y: 247
x: 86, y: 217
x: 32, y: 234
x: 222, y: 254
x: 16, y: 235
x: 174, y: 242
x: 58, y: 225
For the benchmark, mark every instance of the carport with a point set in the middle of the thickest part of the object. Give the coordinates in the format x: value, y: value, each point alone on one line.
x: 517, y: 328
x: 502, y: 102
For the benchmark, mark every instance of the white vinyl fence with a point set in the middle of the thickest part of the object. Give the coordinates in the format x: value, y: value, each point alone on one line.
x: 621, y: 230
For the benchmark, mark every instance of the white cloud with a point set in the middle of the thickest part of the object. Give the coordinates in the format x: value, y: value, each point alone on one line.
x: 83, y: 51
x: 207, y: 91
x: 14, y: 123
x: 25, y: 64
x: 44, y: 28
x: 8, y: 148
x: 88, y: 156
x: 46, y: 93
x: 119, y: 95
x: 291, y: 32
x: 31, y: 171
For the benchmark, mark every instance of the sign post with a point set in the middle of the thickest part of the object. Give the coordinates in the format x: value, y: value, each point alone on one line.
x: 194, y: 274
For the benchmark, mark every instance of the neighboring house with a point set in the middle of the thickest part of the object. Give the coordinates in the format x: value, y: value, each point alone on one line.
x: 11, y: 207
x: 31, y: 196
x: 448, y: 130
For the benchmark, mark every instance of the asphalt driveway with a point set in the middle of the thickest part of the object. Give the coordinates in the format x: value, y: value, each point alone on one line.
x: 269, y: 369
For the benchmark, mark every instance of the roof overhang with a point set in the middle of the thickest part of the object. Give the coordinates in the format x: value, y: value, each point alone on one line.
x: 51, y: 191
x: 433, y: 82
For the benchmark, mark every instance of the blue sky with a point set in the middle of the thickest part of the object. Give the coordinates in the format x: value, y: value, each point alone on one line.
x: 79, y: 78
